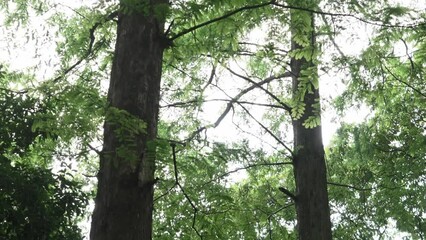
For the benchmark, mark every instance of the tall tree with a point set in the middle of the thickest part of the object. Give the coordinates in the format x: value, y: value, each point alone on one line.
x: 313, y: 214
x: 124, y: 201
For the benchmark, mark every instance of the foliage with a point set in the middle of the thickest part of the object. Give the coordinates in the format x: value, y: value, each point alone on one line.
x: 385, y: 156
x: 35, y: 203
x: 381, y: 160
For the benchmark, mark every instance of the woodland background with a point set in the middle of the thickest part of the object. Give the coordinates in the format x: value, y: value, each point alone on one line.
x: 237, y: 78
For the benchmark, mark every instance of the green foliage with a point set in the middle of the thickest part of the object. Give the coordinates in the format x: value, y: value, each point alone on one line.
x: 127, y: 128
x: 384, y: 156
x: 312, y: 122
x: 36, y: 204
x: 19, y: 11
x: 17, y: 117
x: 253, y: 208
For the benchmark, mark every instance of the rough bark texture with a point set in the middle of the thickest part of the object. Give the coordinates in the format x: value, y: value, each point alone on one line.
x: 124, y: 201
x: 313, y: 214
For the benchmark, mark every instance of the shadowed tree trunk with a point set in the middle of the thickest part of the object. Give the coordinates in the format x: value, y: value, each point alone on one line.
x: 124, y: 201
x: 313, y: 214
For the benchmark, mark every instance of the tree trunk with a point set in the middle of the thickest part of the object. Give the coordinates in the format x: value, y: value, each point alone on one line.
x: 124, y: 201
x: 313, y: 214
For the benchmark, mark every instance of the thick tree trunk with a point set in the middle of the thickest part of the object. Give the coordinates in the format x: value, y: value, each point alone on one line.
x: 313, y: 214
x: 124, y: 201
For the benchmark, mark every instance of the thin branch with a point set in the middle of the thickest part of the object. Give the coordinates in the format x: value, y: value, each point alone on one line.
x: 339, y: 50
x: 403, y: 82
x: 183, y: 104
x: 264, y: 46
x: 349, y: 186
x: 275, y: 212
x: 268, y: 131
x: 94, y: 149
x: 214, y: 20
x: 412, y: 25
x: 254, y: 135
x: 255, y: 84
x: 166, y: 192
x: 212, y: 74
x: 234, y: 100
x: 408, y: 55
x: 13, y: 91
x: 89, y: 51
x: 195, y: 209
x: 244, y: 168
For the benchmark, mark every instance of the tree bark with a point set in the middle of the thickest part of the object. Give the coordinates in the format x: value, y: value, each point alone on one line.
x: 313, y: 214
x: 124, y: 201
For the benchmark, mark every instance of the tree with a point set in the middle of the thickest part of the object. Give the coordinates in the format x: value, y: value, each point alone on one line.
x: 313, y: 214
x: 124, y: 201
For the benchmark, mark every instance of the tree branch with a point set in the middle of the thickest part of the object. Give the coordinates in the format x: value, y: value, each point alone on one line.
x: 288, y: 193
x: 90, y: 48
x: 235, y: 99
x: 183, y: 104
x: 177, y: 183
x: 349, y: 186
x: 244, y: 168
x: 412, y: 25
x: 255, y: 84
x: 268, y: 131
x: 229, y: 14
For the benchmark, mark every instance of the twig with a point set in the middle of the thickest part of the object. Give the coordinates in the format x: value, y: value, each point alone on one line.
x: 183, y: 104
x: 255, y: 84
x: 404, y: 82
x: 183, y: 191
x: 94, y: 149
x: 244, y: 168
x: 347, y: 15
x: 349, y: 186
x: 275, y: 212
x: 268, y: 131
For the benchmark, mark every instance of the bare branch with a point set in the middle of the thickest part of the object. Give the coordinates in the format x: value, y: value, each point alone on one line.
x: 273, y: 213
x: 177, y: 183
x: 245, y: 168
x: 212, y: 74
x: 183, y: 104
x: 404, y: 82
x: 264, y: 46
x: 268, y: 131
x: 288, y: 193
x: 235, y: 99
x: 255, y: 84
x: 13, y: 91
x: 94, y: 149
